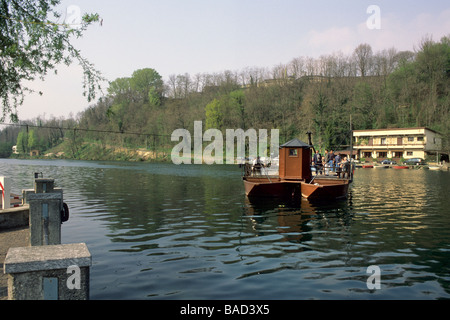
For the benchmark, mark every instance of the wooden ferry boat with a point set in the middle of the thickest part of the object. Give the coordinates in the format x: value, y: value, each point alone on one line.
x: 294, y: 177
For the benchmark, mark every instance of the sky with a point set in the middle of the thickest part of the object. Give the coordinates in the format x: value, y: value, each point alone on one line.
x: 209, y: 36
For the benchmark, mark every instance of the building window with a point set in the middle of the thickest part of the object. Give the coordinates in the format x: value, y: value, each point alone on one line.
x: 398, y: 154
x: 410, y: 139
x: 293, y: 153
x: 383, y: 140
x: 367, y: 154
x: 409, y: 153
x: 382, y: 154
x: 419, y: 138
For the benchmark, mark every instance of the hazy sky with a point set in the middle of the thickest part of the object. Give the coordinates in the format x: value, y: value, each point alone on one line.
x: 207, y: 36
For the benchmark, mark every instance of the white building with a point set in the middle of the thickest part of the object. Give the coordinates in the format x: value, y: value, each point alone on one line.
x: 397, y: 143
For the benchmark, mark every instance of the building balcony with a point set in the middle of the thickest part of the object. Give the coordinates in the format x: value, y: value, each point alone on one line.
x: 390, y: 146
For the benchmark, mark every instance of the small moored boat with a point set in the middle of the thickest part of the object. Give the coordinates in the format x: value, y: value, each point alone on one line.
x: 400, y: 167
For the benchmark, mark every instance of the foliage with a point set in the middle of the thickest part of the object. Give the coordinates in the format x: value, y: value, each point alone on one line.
x: 214, y: 114
x: 376, y: 90
x: 32, y: 44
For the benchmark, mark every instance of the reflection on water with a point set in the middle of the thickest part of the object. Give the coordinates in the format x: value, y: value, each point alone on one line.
x: 160, y: 231
x: 294, y: 218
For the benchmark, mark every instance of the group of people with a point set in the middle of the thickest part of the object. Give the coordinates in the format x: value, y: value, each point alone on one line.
x: 330, y: 162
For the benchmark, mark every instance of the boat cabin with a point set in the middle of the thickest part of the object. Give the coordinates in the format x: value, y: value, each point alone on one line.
x: 295, y: 160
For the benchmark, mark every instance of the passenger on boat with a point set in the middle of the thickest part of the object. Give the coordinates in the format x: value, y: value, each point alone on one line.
x: 331, y: 161
x: 344, y: 168
x: 337, y: 162
x: 317, y: 162
x: 257, y: 165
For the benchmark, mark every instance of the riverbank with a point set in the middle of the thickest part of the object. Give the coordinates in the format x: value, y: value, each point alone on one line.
x: 95, y: 151
x: 98, y: 152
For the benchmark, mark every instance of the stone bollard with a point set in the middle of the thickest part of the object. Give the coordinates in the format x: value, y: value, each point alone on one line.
x: 45, y: 218
x: 47, y: 212
x: 41, y: 185
x: 53, y: 272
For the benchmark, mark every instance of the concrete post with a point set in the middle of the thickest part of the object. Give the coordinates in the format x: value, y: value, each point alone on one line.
x: 6, y: 192
x: 45, y: 204
x: 42, y: 185
x: 54, y: 272
x: 45, y: 218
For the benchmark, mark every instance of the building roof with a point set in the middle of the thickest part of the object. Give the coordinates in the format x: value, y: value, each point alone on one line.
x: 397, y: 129
x: 295, y: 143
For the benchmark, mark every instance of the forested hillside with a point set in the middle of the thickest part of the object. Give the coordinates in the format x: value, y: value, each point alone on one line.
x: 374, y: 89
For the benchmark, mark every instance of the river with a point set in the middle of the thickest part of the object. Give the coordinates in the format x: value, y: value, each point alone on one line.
x: 162, y: 231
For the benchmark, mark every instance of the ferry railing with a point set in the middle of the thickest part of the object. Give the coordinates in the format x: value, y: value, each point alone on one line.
x: 345, y: 169
x: 250, y: 170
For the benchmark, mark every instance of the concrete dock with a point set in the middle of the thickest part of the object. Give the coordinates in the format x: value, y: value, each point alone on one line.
x: 11, y: 238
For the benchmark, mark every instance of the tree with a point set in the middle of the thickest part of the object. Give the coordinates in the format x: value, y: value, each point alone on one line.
x: 214, y: 116
x: 22, y: 142
x: 321, y: 119
x: 120, y: 89
x: 433, y: 66
x: 363, y: 56
x: 32, y: 44
x: 364, y: 106
x: 32, y: 140
x: 147, y: 85
x: 238, y: 104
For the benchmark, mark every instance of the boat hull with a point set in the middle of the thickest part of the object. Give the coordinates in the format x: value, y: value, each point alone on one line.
x: 264, y: 187
x: 319, y: 189
x: 325, y: 189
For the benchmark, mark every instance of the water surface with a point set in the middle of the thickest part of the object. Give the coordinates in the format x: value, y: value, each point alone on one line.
x: 161, y: 231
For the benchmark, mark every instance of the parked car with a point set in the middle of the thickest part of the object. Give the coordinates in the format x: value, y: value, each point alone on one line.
x: 387, y: 161
x: 414, y: 161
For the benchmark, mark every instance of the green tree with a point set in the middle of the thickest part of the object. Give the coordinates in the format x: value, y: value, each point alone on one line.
x: 120, y: 89
x: 321, y: 119
x: 5, y: 149
x: 22, y: 142
x: 364, y: 106
x: 238, y: 104
x: 147, y: 85
x: 214, y: 115
x: 32, y: 140
x: 433, y: 72
x: 32, y: 44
